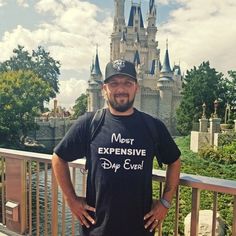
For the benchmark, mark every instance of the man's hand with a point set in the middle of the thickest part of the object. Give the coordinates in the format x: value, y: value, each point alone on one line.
x: 77, y: 204
x: 155, y: 216
x: 80, y: 209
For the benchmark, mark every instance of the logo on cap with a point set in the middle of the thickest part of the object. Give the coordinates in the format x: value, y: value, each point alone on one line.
x: 118, y: 64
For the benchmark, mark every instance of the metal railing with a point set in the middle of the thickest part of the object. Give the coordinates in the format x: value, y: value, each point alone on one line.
x: 46, y: 212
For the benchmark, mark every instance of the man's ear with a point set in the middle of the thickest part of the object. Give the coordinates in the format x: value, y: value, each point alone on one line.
x: 104, y: 91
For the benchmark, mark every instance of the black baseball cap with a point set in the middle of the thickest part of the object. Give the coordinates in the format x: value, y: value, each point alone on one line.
x: 120, y: 67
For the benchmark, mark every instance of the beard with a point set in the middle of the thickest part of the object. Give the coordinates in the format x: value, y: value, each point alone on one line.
x: 120, y: 106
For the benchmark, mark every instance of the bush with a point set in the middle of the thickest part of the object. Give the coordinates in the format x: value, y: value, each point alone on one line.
x: 226, y: 139
x: 223, y: 155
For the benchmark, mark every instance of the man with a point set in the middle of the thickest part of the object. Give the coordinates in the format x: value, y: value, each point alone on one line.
x: 119, y: 184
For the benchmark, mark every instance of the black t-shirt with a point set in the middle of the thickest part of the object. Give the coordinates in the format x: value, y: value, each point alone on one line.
x: 119, y: 183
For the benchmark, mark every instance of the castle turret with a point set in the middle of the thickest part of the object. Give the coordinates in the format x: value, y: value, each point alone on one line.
x: 166, y: 69
x: 96, y: 73
x: 119, y: 17
x: 94, y: 85
x: 151, y: 28
x: 165, y: 85
x: 118, y: 29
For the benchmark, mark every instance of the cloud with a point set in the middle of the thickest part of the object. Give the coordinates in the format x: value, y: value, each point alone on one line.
x: 23, y: 3
x: 70, y: 90
x: 70, y: 30
x: 70, y: 33
x: 196, y: 34
x: 2, y: 2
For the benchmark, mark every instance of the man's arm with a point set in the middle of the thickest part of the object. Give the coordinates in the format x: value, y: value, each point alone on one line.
x: 159, y: 211
x: 77, y: 204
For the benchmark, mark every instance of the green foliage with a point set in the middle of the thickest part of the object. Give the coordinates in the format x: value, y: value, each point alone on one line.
x: 226, y: 151
x: 231, y: 91
x: 21, y: 94
x: 226, y: 138
x: 40, y: 62
x: 201, y: 85
x: 192, y: 163
x: 80, y: 106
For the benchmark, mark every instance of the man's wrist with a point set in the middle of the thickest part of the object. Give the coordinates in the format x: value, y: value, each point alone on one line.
x: 165, y: 203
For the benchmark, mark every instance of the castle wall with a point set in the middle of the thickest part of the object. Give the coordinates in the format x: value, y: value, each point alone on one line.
x: 51, y: 132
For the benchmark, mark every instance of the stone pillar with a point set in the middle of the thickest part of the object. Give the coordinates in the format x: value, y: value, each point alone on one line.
x: 235, y: 125
x: 203, y: 125
x: 214, y: 128
x: 205, y: 224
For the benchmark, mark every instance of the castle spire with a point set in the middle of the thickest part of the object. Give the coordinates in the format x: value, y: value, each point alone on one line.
x: 166, y: 64
x: 96, y: 65
x: 152, y: 8
x: 96, y: 73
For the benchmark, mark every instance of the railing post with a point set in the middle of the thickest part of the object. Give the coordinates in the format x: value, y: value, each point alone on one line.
x: 54, y: 205
x: 234, y: 217
x: 16, y: 213
x: 195, y: 212
x: 177, y: 212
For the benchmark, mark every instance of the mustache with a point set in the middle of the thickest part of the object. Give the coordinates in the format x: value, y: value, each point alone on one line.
x: 121, y: 95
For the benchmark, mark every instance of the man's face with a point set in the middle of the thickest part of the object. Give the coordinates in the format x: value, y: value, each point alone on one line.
x: 120, y: 92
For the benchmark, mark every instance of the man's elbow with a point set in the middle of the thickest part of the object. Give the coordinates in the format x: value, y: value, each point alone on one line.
x: 57, y: 161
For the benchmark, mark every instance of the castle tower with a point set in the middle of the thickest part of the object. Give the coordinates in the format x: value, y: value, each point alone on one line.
x: 151, y: 28
x: 165, y: 85
x: 118, y: 28
x: 119, y: 17
x: 95, y: 100
x: 159, y: 93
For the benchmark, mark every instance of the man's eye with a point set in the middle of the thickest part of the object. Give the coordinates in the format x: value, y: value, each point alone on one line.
x: 128, y: 84
x: 113, y: 84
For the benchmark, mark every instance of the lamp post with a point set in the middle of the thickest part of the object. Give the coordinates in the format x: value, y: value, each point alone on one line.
x: 216, y: 103
x: 204, y: 110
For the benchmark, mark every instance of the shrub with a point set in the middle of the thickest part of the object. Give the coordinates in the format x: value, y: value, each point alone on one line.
x: 227, y: 138
x: 224, y: 155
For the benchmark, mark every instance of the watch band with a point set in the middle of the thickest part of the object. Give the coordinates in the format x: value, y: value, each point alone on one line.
x: 165, y: 203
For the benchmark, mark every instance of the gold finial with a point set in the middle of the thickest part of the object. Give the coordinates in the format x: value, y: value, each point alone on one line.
x: 167, y: 44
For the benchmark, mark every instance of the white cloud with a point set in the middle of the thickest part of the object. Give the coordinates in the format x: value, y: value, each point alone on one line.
x: 70, y: 37
x: 2, y: 2
x: 23, y: 3
x: 198, y: 34
x: 19, y: 36
x: 198, y: 30
x: 70, y: 90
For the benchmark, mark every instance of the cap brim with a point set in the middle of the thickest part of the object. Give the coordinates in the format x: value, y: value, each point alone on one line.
x: 107, y: 79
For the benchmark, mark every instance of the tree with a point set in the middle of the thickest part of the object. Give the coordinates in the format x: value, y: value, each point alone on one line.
x: 21, y: 94
x: 201, y: 85
x: 80, y: 106
x: 40, y: 62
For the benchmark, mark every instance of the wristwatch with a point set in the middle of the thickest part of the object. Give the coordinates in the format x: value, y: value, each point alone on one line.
x: 165, y: 203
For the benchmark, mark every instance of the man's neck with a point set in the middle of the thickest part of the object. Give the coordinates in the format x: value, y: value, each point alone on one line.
x: 114, y: 112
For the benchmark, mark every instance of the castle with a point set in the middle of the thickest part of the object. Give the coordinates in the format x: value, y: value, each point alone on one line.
x: 160, y: 86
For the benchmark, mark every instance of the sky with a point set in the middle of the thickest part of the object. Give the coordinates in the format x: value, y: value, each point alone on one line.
x: 197, y: 31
